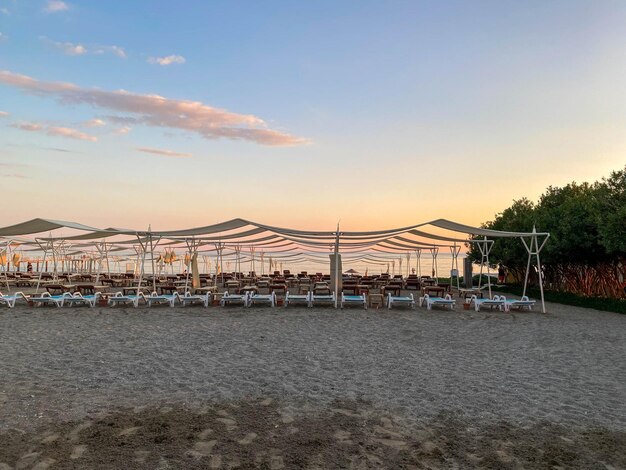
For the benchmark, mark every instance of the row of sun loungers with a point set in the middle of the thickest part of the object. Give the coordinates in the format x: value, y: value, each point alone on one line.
x: 310, y: 299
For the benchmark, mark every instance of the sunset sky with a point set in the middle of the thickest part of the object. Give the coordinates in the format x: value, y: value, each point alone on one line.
x: 298, y: 114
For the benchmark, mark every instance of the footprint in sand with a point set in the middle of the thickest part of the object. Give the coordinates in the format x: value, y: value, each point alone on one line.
x: 203, y: 448
x: 204, y: 434
x: 267, y: 402
x: 247, y: 439
x: 26, y: 460
x: 224, y: 413
x: 287, y: 419
x: 50, y: 438
x: 44, y: 464
x: 78, y: 451
x: 344, y: 412
x: 393, y: 443
x: 343, y: 437
x: 73, y: 435
x: 129, y: 431
x: 230, y: 424
x: 388, y: 432
x: 141, y: 456
x: 216, y: 461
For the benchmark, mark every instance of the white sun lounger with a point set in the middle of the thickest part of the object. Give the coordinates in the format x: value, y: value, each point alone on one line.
x: 9, y: 300
x: 359, y: 300
x: 158, y: 299
x: 323, y: 299
x: 46, y: 298
x: 403, y: 300
x: 298, y: 299
x: 496, y: 302
x: 262, y: 299
x: 521, y: 304
x: 190, y: 299
x: 120, y: 298
x: 431, y: 302
x: 78, y: 298
x: 228, y: 299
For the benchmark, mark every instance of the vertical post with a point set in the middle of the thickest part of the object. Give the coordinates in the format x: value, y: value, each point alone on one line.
x: 337, y: 266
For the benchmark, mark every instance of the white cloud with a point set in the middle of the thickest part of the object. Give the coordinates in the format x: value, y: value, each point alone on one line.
x: 170, y: 59
x: 5, y: 11
x: 158, y: 111
x: 56, y: 131
x: 70, y: 48
x: 3, y: 37
x: 54, y: 6
x: 3, y: 114
x: 166, y: 153
x: 94, y: 123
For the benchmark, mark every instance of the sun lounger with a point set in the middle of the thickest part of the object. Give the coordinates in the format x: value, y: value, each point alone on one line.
x: 158, y: 299
x: 431, y: 302
x: 45, y: 298
x: 521, y: 304
x: 402, y: 300
x: 262, y: 299
x: 9, y: 300
x: 496, y: 302
x: 229, y: 299
x: 323, y: 299
x: 120, y: 298
x: 190, y: 299
x: 79, y: 299
x: 298, y: 299
x: 359, y: 300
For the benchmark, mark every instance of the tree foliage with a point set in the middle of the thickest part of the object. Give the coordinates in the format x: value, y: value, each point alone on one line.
x: 586, y: 252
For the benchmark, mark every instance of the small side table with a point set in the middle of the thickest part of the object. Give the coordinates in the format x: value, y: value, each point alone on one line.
x: 376, y: 300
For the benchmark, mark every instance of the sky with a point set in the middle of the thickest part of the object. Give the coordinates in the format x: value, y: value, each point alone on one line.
x: 301, y: 114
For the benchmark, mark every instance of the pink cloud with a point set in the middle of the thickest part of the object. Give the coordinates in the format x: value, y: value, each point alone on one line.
x: 54, y: 6
x: 28, y: 126
x: 3, y: 114
x: 56, y: 131
x: 70, y: 133
x: 94, y: 123
x: 158, y: 111
x: 166, y: 153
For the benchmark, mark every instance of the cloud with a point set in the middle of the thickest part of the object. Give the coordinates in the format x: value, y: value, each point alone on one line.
x: 75, y: 49
x: 3, y: 114
x: 170, y: 59
x: 167, y: 153
x: 158, y: 111
x: 122, y: 130
x: 70, y: 133
x: 55, y: 131
x: 94, y: 123
x: 26, y: 126
x: 54, y: 6
x: 5, y: 11
x: 3, y: 37
x: 14, y: 175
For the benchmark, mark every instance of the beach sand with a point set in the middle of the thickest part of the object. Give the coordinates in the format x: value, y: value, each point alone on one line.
x: 311, y: 388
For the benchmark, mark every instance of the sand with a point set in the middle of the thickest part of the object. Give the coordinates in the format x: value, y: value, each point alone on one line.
x: 301, y: 388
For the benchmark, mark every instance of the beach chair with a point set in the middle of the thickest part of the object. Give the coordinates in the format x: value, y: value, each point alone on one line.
x: 159, y: 299
x: 496, y: 302
x: 298, y: 299
x: 431, y: 302
x: 323, y: 299
x: 190, y: 299
x: 262, y: 299
x: 79, y: 299
x: 400, y: 300
x: 522, y: 304
x: 45, y: 299
x: 120, y: 298
x: 358, y: 300
x: 230, y: 299
x: 9, y: 300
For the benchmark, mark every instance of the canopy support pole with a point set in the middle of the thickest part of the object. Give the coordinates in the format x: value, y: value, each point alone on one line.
x: 535, y: 249
x: 455, y: 250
